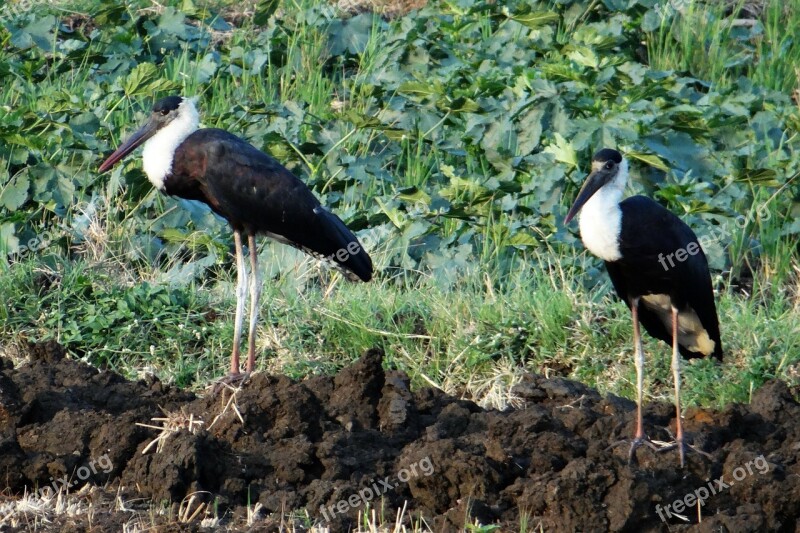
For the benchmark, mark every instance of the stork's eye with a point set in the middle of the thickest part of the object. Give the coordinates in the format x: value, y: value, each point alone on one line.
x: 609, y: 165
x: 164, y: 112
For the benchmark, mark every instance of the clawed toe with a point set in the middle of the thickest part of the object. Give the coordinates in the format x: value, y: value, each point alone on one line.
x: 681, y: 445
x: 639, y: 441
x: 659, y: 447
x: 231, y: 381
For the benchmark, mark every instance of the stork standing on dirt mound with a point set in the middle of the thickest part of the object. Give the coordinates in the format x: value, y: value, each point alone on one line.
x: 656, y: 266
x: 248, y: 188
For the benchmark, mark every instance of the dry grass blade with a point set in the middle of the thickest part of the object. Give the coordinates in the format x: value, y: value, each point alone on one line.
x: 185, y: 513
x: 171, y: 424
x: 229, y: 404
x: 36, y: 510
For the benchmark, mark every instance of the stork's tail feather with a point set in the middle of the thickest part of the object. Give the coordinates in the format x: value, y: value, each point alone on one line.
x: 345, y: 251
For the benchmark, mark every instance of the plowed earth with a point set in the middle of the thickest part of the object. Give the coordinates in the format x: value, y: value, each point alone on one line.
x: 331, y: 444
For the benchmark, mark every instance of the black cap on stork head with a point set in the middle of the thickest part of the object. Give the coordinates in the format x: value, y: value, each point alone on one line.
x: 246, y: 186
x: 657, y: 267
x: 608, y: 169
x: 171, y: 121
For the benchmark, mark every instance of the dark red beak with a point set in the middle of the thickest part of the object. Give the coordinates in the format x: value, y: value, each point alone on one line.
x: 592, y: 184
x: 144, y: 133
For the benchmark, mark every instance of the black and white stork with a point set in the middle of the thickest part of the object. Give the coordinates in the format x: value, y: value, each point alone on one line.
x: 247, y: 187
x: 657, y: 268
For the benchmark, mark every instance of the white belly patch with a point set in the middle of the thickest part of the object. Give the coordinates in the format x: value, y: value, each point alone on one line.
x: 691, y: 333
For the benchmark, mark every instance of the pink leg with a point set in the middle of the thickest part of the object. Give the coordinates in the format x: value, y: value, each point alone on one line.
x: 241, y: 288
x: 255, y: 295
x: 676, y: 375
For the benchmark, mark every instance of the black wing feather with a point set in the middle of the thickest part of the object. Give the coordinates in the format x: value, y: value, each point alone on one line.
x: 649, y: 234
x: 257, y: 194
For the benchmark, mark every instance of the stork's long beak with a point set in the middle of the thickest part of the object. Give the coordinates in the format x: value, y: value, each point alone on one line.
x: 592, y: 184
x: 144, y: 133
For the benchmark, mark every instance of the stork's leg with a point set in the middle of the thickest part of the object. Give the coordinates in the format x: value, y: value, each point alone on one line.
x: 241, y: 293
x: 637, y: 340
x: 640, y: 437
x: 676, y: 375
x: 255, y: 294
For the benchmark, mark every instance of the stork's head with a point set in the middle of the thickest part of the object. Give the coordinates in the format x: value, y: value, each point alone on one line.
x: 172, y: 120
x: 609, y: 171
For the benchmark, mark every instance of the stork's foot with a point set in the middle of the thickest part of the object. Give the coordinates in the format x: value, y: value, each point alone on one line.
x: 659, y: 447
x: 231, y: 381
x: 681, y: 445
x: 656, y: 446
x: 639, y: 441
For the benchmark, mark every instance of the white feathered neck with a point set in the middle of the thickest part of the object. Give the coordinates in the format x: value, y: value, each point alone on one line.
x: 601, y: 217
x: 159, y: 150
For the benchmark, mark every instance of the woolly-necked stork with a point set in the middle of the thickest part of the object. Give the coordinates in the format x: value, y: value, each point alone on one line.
x: 657, y: 267
x: 248, y: 188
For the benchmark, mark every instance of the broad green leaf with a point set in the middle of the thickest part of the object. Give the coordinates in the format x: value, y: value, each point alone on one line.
x: 652, y: 19
x: 85, y: 123
x: 173, y: 22
x: 523, y: 239
x: 139, y: 78
x: 264, y: 10
x: 419, y: 87
x: 49, y: 186
x: 21, y: 140
x: 650, y: 159
x: 173, y: 235
x: 414, y: 194
x: 635, y: 71
x: 462, y: 105
x: 350, y: 35
x: 622, y: 5
x: 563, y: 151
x: 536, y: 19
x: 15, y: 193
x: 207, y: 67
x: 41, y: 32
x: 188, y: 7
x: 735, y: 109
x: 584, y: 56
x: 500, y: 142
x: 529, y: 130
x: 397, y: 218
x: 146, y: 80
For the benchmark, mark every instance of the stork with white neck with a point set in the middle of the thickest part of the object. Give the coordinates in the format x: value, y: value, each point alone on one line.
x: 248, y: 188
x: 657, y: 268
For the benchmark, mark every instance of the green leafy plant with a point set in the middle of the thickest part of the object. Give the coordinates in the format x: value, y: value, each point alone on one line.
x: 451, y: 140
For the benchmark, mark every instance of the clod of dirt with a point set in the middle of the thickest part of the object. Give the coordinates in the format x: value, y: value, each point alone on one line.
x: 332, y: 444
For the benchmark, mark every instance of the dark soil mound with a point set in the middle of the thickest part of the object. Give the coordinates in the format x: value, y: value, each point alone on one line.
x: 332, y: 444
